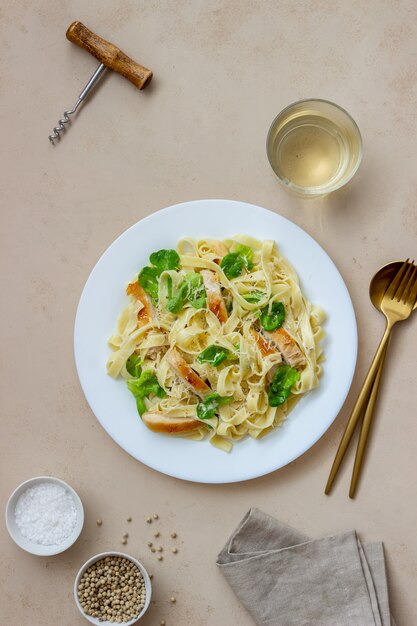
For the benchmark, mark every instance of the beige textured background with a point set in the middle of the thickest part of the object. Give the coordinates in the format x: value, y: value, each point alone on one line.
x: 223, y: 69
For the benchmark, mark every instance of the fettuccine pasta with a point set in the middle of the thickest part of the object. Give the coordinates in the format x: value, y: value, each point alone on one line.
x: 217, y: 340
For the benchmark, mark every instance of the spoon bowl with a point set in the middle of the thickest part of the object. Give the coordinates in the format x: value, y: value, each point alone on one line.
x: 380, y: 282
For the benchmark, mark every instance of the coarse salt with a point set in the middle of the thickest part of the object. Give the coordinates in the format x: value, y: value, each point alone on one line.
x: 46, y: 514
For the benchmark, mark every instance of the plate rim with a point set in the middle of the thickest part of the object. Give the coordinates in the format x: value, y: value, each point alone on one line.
x: 349, y: 375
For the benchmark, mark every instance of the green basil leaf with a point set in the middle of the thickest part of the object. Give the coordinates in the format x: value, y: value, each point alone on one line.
x: 191, y: 289
x: 160, y: 261
x: 280, y: 388
x: 232, y: 264
x: 273, y: 317
x: 165, y: 260
x: 148, y: 279
x: 140, y: 405
x: 210, y: 405
x: 247, y: 253
x: 175, y: 304
x: 133, y: 365
x: 148, y: 384
x: 253, y: 296
x: 196, y: 292
x: 224, y: 400
x: 143, y: 387
x: 169, y: 286
x: 213, y: 355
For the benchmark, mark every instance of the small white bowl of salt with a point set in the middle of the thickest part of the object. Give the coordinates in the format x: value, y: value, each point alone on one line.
x: 44, y: 516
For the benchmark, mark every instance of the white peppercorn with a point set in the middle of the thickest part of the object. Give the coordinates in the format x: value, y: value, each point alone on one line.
x: 112, y: 589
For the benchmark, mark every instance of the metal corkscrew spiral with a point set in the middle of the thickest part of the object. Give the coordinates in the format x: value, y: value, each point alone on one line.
x: 65, y: 119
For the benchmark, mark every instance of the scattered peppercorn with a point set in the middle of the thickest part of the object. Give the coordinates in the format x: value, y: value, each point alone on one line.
x: 129, y: 519
x: 156, y: 534
x: 150, y: 544
x: 173, y: 599
x: 175, y: 550
x: 160, y: 557
x: 155, y: 516
x: 124, y: 541
x: 99, y: 522
x: 126, y: 535
x: 159, y: 548
x: 174, y: 535
x: 162, y: 622
x: 149, y: 520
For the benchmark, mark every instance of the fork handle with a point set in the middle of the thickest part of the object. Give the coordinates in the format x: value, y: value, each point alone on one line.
x: 366, y: 427
x: 357, y: 409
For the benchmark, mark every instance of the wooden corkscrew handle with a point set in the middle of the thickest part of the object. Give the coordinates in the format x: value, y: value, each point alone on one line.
x: 108, y: 54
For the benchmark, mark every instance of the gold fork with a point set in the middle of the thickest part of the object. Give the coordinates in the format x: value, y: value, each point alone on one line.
x: 397, y: 305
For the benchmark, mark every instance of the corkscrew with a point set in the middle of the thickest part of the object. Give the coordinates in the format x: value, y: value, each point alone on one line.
x: 110, y: 57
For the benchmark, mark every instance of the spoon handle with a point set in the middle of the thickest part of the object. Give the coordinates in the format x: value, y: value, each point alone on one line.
x: 357, y: 409
x: 366, y: 427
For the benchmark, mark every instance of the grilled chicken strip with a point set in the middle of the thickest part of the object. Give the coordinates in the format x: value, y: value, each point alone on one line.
x: 289, y: 349
x: 187, y: 374
x: 145, y: 314
x: 160, y: 423
x: 265, y: 346
x: 269, y: 342
x: 215, y: 300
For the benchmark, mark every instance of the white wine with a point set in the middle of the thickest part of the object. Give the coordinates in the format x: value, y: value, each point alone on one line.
x: 314, y: 147
x: 310, y: 153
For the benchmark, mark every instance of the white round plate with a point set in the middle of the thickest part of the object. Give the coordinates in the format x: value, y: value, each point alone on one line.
x: 104, y: 297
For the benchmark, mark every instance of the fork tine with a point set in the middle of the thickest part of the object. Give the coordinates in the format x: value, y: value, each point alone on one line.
x: 401, y: 289
x: 410, y: 294
x: 390, y: 292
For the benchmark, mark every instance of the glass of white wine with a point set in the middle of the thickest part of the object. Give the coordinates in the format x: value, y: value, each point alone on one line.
x: 314, y: 147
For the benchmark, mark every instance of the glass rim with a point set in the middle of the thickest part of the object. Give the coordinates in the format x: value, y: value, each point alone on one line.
x: 313, y: 191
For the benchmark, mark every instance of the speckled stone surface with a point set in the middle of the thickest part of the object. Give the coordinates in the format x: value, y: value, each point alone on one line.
x: 222, y: 72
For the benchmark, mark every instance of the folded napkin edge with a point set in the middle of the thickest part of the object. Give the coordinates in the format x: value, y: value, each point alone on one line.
x: 252, y: 556
x: 225, y: 550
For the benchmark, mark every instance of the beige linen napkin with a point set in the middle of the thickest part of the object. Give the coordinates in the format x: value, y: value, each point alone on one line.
x: 284, y: 578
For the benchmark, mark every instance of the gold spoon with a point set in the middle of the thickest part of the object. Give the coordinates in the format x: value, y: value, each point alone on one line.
x: 381, y: 298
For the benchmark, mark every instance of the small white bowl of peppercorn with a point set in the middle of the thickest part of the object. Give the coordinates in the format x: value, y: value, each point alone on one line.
x: 112, y: 588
